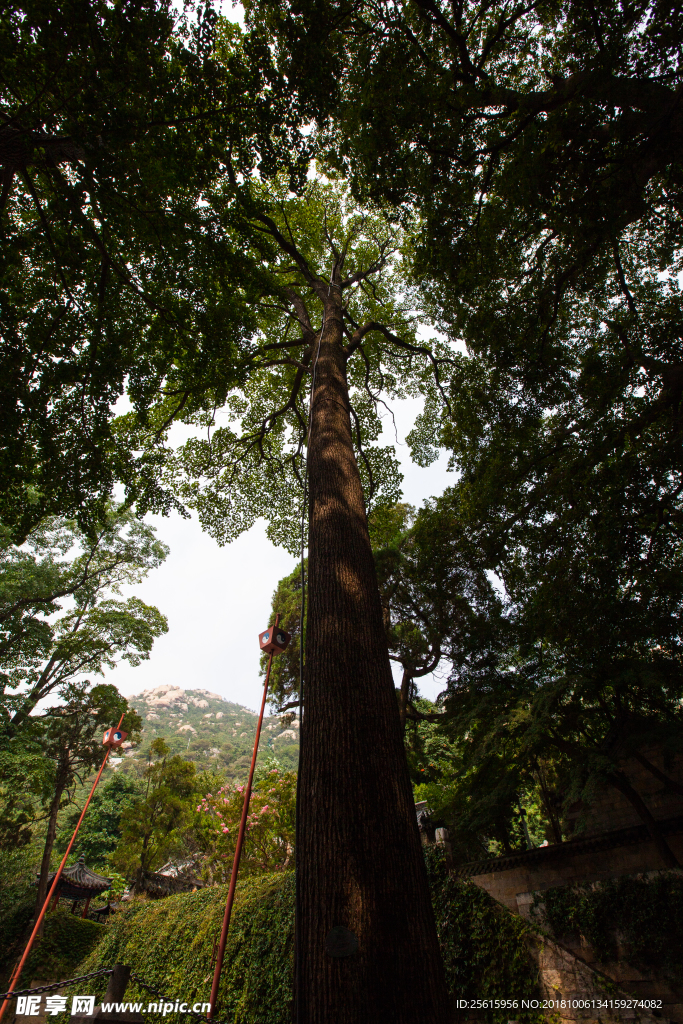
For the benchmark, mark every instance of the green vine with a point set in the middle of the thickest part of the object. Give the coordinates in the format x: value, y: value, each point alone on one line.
x: 636, y: 919
x: 169, y: 943
x: 483, y: 946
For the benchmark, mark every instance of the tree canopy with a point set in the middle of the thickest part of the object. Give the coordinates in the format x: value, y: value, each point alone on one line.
x: 253, y: 464
x: 151, y: 828
x: 69, y: 737
x: 534, y: 139
x: 60, y: 569
x: 540, y: 145
x: 551, y: 690
x: 62, y: 620
x: 115, y: 277
x: 510, y: 172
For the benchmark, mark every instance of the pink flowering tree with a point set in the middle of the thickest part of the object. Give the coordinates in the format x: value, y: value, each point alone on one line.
x: 269, y: 838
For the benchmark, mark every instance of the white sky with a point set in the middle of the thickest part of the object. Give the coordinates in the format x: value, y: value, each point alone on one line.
x: 217, y: 600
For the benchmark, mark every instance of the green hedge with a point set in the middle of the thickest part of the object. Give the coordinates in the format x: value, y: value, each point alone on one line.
x: 483, y: 945
x: 169, y: 943
x: 636, y: 919
x: 66, y: 941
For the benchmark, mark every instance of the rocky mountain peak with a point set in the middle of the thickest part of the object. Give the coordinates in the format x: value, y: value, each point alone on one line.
x: 210, y: 729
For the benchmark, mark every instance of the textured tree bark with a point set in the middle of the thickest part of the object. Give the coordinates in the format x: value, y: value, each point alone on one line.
x: 359, y: 855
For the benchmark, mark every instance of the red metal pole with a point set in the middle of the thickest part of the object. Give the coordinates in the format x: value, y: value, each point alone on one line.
x: 16, y: 974
x: 238, y: 848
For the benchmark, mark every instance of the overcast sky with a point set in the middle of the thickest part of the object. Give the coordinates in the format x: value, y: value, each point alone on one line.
x: 217, y: 600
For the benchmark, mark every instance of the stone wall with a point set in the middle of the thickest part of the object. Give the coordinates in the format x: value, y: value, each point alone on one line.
x: 569, y: 972
x: 575, y: 962
x: 625, y: 852
x: 567, y: 978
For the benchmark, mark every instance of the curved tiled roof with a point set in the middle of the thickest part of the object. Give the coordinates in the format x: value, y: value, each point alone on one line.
x: 78, y: 880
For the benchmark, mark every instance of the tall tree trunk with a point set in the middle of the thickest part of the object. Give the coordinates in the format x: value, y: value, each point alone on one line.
x: 363, y: 878
x: 60, y: 786
x: 548, y: 803
x: 139, y: 886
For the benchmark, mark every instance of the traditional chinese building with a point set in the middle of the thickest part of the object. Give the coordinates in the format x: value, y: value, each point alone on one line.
x: 78, y: 883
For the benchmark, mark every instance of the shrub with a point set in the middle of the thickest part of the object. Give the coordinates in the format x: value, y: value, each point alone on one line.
x: 66, y: 942
x: 170, y: 943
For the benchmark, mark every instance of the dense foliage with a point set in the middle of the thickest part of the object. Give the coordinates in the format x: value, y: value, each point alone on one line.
x: 171, y: 943
x: 561, y: 691
x: 152, y: 827
x: 100, y: 832
x: 115, y: 276
x: 65, y: 943
x: 254, y: 463
x: 62, y: 618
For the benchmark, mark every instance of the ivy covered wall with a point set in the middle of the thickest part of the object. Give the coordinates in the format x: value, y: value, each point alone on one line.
x: 169, y: 943
x: 483, y: 945
x: 634, y: 919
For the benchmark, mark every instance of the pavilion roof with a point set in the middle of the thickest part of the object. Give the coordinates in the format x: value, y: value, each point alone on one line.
x: 79, y: 881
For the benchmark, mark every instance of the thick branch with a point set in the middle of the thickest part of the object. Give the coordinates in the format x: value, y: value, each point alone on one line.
x: 641, y: 94
x: 292, y: 251
x: 670, y: 784
x: 300, y: 310
x: 357, y: 337
x: 619, y: 781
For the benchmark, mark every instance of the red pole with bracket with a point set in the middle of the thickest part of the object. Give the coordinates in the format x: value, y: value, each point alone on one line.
x: 16, y: 974
x: 274, y: 642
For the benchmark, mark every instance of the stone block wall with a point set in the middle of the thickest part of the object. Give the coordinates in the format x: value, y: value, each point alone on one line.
x: 593, y: 995
x: 573, y: 972
x: 575, y: 963
x: 628, y: 852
